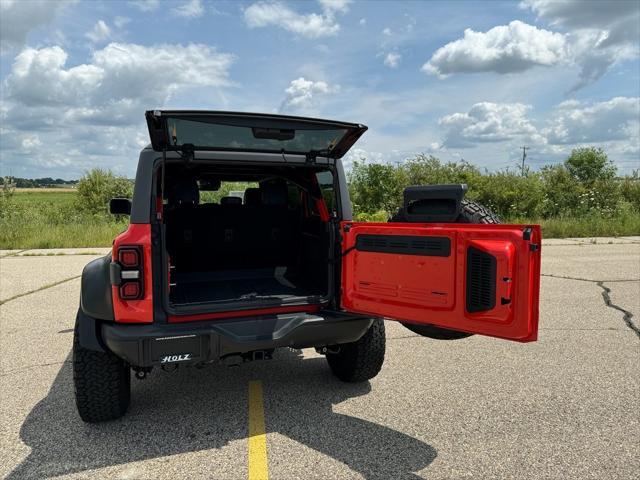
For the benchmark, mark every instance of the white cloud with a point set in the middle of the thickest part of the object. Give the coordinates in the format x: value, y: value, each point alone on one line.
x: 302, y: 93
x: 190, y: 9
x: 361, y: 155
x: 392, y: 59
x: 30, y: 142
x: 503, y: 49
x: 602, y: 33
x: 362, y: 22
x: 489, y: 122
x: 118, y: 71
x: 387, y: 31
x: 312, y: 25
x: 18, y: 18
x: 99, y: 33
x: 575, y: 122
x: 97, y: 107
x: 146, y: 5
x: 335, y: 5
x: 577, y: 14
x: 613, y: 124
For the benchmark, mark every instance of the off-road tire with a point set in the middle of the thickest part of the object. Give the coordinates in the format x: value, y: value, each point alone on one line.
x: 470, y: 212
x: 361, y: 360
x: 102, y: 383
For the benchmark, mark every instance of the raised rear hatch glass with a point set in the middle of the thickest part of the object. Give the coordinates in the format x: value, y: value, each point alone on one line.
x: 250, y: 132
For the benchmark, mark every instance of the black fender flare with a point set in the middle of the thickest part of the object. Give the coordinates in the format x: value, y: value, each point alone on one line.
x: 87, y: 331
x: 95, y: 289
x: 96, y: 302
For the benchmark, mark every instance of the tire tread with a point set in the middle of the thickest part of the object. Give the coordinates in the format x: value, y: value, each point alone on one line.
x: 361, y: 360
x: 102, y: 383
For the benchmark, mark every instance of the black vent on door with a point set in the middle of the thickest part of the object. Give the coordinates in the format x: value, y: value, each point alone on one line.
x: 481, y: 280
x: 404, y: 244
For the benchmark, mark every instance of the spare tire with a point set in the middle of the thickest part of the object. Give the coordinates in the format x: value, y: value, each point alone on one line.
x: 470, y: 212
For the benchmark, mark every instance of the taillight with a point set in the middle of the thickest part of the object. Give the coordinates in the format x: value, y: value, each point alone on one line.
x: 131, y: 273
x: 129, y: 257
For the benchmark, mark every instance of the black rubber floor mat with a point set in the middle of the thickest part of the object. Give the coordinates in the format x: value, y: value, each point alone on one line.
x: 237, y: 290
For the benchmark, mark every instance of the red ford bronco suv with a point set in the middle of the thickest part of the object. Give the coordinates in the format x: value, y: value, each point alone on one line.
x: 203, y: 278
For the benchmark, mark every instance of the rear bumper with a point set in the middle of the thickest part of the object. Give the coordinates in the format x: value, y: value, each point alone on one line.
x: 197, y: 342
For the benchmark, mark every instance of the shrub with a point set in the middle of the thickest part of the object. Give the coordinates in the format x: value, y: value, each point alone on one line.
x: 99, y: 186
x: 584, y: 185
x: 7, y: 205
x: 589, y: 165
x: 375, y: 187
x: 429, y: 170
x: 630, y: 191
x: 509, y: 195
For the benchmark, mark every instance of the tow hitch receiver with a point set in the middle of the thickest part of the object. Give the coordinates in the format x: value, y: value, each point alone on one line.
x: 236, y: 360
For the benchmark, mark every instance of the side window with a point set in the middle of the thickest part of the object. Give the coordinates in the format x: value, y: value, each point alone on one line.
x: 325, y: 182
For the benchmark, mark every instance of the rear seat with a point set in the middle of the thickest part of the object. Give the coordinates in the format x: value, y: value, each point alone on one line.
x: 258, y: 234
x: 182, y: 218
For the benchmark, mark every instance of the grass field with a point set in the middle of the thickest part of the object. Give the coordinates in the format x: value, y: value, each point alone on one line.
x: 35, y: 197
x: 48, y: 218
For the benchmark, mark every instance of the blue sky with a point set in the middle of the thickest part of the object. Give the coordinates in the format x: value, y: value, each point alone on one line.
x: 472, y: 80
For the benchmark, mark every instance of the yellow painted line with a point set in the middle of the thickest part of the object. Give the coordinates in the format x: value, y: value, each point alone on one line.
x: 258, y: 465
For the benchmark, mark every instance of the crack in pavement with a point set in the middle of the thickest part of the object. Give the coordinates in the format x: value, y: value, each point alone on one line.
x: 12, y: 254
x: 590, y: 280
x: 29, y: 367
x: 44, y: 287
x: 626, y: 314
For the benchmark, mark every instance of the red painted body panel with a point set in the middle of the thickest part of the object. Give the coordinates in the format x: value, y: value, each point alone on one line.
x: 135, y: 311
x: 431, y: 290
x: 241, y: 313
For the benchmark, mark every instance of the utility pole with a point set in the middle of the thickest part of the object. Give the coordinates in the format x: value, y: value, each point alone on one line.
x: 524, y: 156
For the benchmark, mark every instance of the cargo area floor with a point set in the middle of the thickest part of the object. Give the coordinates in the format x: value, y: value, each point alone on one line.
x: 238, y: 285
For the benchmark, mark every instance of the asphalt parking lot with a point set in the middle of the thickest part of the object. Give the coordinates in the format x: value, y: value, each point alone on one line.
x: 563, y: 407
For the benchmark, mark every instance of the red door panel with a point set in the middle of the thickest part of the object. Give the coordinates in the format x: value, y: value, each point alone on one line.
x: 482, y: 279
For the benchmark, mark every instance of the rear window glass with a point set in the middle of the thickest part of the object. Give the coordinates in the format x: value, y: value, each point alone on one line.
x: 232, y: 137
x: 227, y: 189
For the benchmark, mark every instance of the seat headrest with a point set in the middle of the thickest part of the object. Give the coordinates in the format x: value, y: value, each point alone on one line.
x: 230, y: 201
x: 274, y: 193
x: 252, y: 197
x: 184, y: 192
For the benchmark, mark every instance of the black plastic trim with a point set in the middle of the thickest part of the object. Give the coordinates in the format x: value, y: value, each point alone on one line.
x: 205, y: 341
x: 88, y: 332
x: 404, y: 244
x: 95, y: 289
x: 432, y: 203
x: 481, y: 281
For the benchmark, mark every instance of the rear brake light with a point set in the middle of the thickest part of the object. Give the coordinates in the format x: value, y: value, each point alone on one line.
x: 129, y: 257
x: 131, y: 273
x: 130, y: 290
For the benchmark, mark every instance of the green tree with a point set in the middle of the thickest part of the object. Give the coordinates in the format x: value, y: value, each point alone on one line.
x: 375, y: 187
x: 590, y: 164
x: 97, y: 187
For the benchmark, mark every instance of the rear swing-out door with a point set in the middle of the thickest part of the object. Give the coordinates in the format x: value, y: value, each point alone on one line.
x: 482, y: 279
